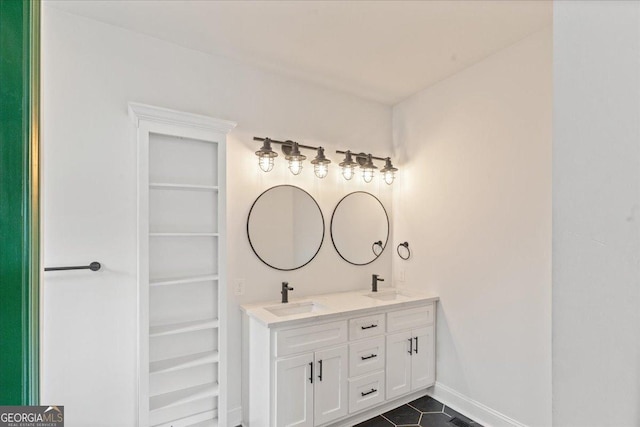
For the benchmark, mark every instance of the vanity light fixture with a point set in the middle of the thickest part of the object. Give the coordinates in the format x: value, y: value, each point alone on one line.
x: 266, y: 155
x: 292, y: 154
x: 291, y: 151
x: 365, y: 161
x: 388, y: 171
x: 295, y: 159
x: 320, y: 164
x: 348, y: 166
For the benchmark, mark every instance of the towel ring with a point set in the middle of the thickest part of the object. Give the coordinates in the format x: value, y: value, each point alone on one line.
x: 373, y: 247
x: 406, y: 246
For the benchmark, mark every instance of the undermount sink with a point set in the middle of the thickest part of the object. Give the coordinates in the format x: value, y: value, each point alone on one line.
x: 289, y: 309
x: 389, y: 296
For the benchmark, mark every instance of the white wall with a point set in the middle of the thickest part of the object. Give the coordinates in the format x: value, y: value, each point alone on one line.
x: 596, y: 208
x: 90, y: 72
x: 474, y: 202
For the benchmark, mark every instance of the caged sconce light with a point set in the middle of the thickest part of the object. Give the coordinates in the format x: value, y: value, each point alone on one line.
x: 292, y: 154
x: 291, y: 151
x: 365, y: 162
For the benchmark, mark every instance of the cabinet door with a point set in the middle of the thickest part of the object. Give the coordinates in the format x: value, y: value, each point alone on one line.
x: 331, y: 386
x: 423, y: 359
x: 398, y: 364
x: 294, y: 391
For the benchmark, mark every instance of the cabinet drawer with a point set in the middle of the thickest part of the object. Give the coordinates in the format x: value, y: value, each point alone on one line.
x: 309, y: 338
x: 366, y: 391
x: 367, y: 326
x: 411, y: 318
x: 366, y: 356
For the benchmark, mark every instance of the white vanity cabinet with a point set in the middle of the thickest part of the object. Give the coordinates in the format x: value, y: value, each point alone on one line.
x: 311, y: 389
x: 335, y: 369
x: 410, y: 361
x: 411, y: 352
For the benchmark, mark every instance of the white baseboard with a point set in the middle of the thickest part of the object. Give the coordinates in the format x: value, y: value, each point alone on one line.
x: 475, y: 410
x: 234, y: 416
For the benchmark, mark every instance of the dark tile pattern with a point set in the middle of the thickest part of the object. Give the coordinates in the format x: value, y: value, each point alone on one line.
x: 377, y: 422
x: 423, y: 412
x: 427, y: 404
x: 436, y: 420
x: 404, y: 415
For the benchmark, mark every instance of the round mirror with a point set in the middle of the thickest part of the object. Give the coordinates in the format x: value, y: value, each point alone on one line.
x: 285, y: 227
x: 359, y: 228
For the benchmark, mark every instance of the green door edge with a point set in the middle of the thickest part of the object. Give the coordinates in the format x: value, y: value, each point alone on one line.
x: 20, y: 202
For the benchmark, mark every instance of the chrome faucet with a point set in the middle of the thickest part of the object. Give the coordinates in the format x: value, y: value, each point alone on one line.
x: 285, y: 292
x: 374, y: 282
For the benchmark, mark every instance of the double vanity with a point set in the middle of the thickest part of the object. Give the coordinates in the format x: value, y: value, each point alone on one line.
x: 338, y: 359
x: 333, y: 359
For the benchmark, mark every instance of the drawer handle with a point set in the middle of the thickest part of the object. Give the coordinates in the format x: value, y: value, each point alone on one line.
x: 364, y: 393
x: 368, y: 327
x: 369, y: 357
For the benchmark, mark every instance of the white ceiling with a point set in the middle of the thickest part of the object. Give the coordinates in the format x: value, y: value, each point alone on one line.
x: 379, y: 50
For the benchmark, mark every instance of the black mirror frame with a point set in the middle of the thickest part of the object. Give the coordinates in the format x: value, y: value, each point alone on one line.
x: 331, y: 228
x: 324, y: 228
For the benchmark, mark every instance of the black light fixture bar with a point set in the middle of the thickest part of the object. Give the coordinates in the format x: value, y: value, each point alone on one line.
x: 353, y: 153
x: 286, y: 143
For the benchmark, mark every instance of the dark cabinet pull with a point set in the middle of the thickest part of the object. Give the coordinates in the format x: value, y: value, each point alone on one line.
x: 373, y: 390
x: 410, y: 345
x: 311, y: 376
x: 416, y: 338
x: 320, y: 376
x: 369, y: 357
x: 368, y: 327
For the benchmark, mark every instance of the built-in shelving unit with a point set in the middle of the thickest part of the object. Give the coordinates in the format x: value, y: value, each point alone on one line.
x: 181, y: 170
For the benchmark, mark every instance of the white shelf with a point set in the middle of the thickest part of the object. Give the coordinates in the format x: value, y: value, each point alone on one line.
x: 188, y: 187
x: 184, y: 234
x: 181, y: 224
x: 180, y: 397
x: 183, y: 327
x: 183, y: 362
x: 183, y: 280
x: 206, y: 418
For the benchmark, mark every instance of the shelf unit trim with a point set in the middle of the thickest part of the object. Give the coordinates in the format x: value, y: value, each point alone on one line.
x: 176, y: 186
x: 190, y: 420
x: 182, y: 327
x: 182, y: 396
x: 139, y: 112
x: 184, y: 234
x: 183, y: 280
x: 183, y: 362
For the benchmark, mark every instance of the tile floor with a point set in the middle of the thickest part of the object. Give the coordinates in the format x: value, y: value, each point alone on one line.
x: 422, y: 412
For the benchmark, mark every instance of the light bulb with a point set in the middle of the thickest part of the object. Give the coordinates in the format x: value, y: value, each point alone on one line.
x: 321, y: 170
x: 367, y: 175
x: 295, y: 166
x: 266, y: 163
x: 347, y: 172
x: 388, y: 177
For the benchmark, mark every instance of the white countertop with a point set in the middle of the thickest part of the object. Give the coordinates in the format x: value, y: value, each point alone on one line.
x: 332, y: 305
